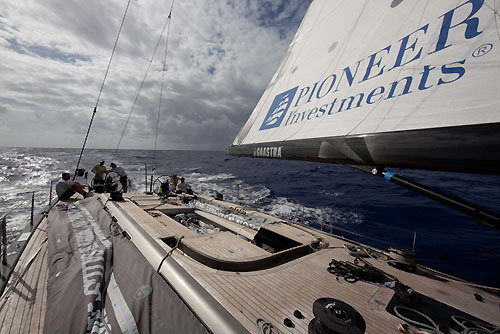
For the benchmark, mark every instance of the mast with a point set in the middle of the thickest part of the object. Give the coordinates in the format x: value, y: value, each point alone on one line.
x: 100, y: 91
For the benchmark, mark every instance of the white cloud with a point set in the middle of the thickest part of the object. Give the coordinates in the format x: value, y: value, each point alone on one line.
x: 221, y: 55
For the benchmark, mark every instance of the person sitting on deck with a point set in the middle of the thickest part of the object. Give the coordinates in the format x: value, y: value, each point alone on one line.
x: 164, y: 189
x: 66, y: 188
x: 183, y: 186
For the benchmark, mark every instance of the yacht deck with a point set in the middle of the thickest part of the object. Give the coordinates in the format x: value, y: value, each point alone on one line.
x: 272, y: 294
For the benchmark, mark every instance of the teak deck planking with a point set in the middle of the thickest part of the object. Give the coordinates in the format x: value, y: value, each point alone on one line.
x: 225, y: 245
x: 252, y: 295
x: 24, y: 309
x: 272, y: 294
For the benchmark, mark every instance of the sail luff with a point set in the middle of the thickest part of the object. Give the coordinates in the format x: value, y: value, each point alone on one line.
x: 407, y: 84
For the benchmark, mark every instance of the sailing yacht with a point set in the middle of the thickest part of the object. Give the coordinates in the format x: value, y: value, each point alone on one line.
x: 375, y: 85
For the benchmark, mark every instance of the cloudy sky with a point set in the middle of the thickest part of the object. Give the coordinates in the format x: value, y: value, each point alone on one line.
x: 54, y: 53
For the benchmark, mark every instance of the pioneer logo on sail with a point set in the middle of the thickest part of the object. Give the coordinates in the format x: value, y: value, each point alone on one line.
x: 361, y: 84
x: 278, y: 109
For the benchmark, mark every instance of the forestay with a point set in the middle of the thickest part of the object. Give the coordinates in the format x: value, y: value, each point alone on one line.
x: 393, y: 83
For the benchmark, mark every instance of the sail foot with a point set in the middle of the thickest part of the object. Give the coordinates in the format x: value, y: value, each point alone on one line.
x: 430, y: 149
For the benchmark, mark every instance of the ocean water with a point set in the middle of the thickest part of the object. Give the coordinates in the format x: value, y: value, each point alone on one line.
x: 357, y: 205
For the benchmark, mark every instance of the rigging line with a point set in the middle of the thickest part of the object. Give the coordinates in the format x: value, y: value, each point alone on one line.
x: 496, y: 21
x: 242, y: 134
x: 162, y: 84
x: 479, y: 252
x: 23, y: 201
x: 432, y: 262
x: 140, y: 87
x: 335, y: 227
x: 424, y: 234
x: 492, y: 8
x: 100, y: 91
x: 451, y: 278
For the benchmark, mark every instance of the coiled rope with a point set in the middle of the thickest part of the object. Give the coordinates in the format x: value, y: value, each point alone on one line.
x: 359, y: 251
x: 353, y: 272
x: 461, y: 321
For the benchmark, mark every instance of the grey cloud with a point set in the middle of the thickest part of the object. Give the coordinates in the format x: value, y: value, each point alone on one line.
x: 95, y: 22
x: 220, y: 58
x: 46, y: 52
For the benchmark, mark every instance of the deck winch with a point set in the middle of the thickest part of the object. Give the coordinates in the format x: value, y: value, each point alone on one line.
x: 333, y: 316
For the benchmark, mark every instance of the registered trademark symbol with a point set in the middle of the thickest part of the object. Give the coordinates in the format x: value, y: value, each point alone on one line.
x: 482, y: 50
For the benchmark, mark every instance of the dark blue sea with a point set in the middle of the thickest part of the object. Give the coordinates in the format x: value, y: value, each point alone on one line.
x: 358, y: 205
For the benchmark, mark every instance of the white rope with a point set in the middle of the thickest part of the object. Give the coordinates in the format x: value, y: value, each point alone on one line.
x: 462, y: 321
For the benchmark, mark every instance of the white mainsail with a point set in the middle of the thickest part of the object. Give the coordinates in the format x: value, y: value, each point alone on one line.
x: 392, y: 83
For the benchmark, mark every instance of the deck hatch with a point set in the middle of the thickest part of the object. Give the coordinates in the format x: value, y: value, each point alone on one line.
x: 272, y: 241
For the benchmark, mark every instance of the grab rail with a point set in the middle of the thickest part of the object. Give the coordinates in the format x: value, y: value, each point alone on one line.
x: 252, y: 264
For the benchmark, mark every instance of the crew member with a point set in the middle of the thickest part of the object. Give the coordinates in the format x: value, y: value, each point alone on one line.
x: 172, y: 183
x: 121, y: 173
x: 66, y: 188
x: 99, y: 170
x: 164, y: 189
x: 183, y: 186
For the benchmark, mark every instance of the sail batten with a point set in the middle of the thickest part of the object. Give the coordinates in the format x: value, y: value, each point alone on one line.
x: 359, y: 75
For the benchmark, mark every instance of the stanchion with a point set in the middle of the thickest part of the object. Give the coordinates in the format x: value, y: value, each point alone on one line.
x: 50, y: 194
x: 32, y: 207
x: 4, y: 240
x: 146, y: 177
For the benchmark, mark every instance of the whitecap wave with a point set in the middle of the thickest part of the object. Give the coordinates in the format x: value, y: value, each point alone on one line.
x: 21, y: 175
x: 286, y: 209
x: 259, y: 197
x: 331, y: 194
x: 216, y: 177
x: 233, y: 190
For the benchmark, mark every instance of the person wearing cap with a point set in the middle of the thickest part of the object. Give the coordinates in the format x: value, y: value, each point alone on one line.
x: 66, y: 188
x: 183, y: 186
x: 99, y: 170
x: 121, y: 173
